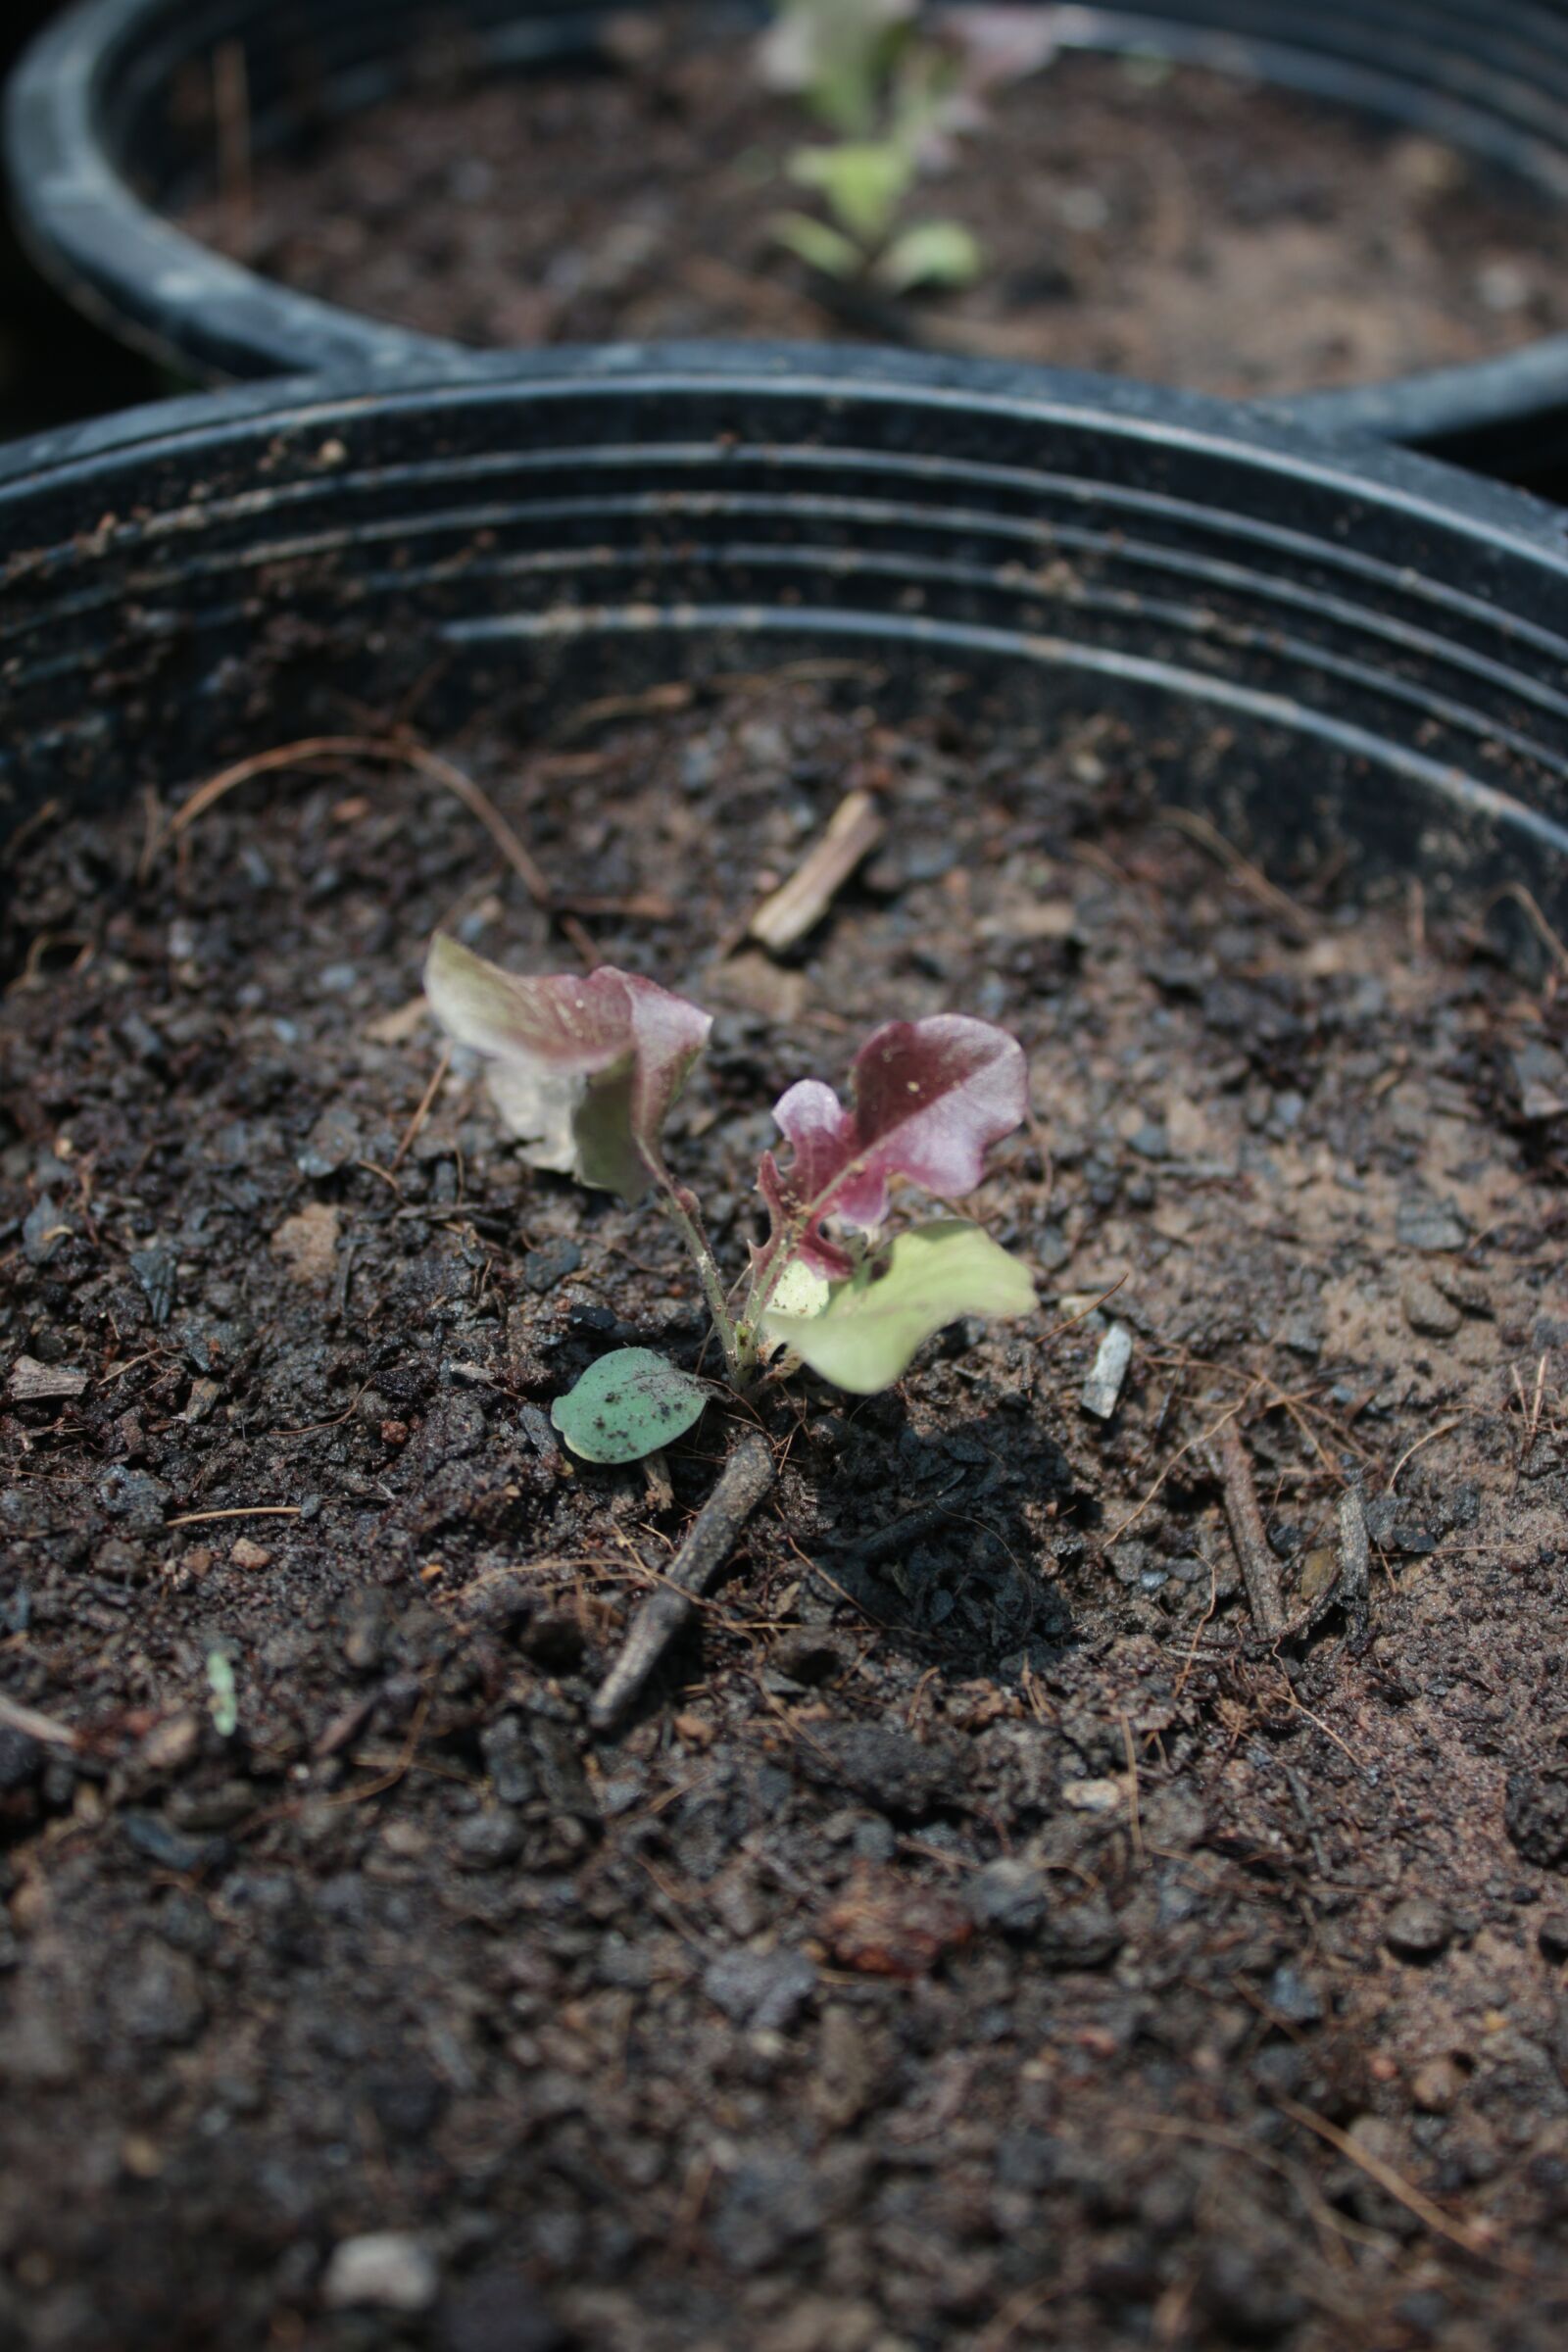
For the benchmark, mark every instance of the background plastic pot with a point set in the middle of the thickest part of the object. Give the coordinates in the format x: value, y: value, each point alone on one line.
x: 114, y: 106
x: 1362, y: 656
x: 53, y: 363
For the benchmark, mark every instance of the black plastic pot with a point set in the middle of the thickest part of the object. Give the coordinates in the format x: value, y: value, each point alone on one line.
x: 54, y: 363
x: 111, y: 114
x: 1362, y: 656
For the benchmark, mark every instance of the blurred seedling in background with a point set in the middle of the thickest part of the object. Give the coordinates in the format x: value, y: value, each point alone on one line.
x: 585, y: 1070
x: 899, y: 86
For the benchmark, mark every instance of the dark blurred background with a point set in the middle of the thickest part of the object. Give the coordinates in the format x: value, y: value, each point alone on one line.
x: 53, y: 366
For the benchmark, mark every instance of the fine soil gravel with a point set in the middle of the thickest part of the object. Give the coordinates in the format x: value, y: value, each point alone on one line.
x: 981, y: 1938
x: 1175, y: 224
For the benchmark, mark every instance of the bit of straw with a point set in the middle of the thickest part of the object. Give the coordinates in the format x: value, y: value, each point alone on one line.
x: 1538, y: 922
x: 247, y: 1510
x: 1476, y: 2241
x: 1251, y: 878
x: 15, y: 1717
x: 710, y: 1540
x: 314, y: 748
x: 411, y: 1131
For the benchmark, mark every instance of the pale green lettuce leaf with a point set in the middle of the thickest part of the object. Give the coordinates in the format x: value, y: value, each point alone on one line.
x: 864, y: 1339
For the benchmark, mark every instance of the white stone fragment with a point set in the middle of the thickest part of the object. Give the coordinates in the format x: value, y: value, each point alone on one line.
x: 1102, y: 1389
x: 384, y: 2270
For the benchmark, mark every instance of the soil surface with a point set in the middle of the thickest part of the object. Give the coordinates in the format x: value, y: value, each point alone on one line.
x: 1172, y: 224
x: 982, y: 1938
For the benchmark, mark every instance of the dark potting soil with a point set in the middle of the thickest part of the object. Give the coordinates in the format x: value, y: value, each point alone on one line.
x: 1177, y: 225
x: 982, y: 1940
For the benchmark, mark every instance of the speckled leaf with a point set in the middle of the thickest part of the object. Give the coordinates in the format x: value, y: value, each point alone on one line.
x: 628, y: 1403
x: 862, y: 1340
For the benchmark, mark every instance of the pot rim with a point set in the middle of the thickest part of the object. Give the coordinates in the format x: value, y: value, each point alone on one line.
x: 1406, y: 479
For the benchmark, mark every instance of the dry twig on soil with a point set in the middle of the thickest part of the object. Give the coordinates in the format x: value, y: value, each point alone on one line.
x: 1353, y: 1585
x: 1260, y: 1570
x: 313, y: 749
x: 711, y: 1536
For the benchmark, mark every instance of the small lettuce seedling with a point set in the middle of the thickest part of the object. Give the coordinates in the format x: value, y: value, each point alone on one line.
x: 899, y: 85
x: 863, y: 185
x: 585, y: 1072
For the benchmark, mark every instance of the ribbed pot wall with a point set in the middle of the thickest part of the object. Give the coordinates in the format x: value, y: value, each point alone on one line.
x: 1361, y: 655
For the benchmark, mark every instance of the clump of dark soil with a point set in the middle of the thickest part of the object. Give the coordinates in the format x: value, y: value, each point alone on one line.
x: 1173, y: 225
x: 983, y: 1937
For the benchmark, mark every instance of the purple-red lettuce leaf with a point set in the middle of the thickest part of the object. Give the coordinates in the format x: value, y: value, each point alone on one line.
x: 584, y: 1068
x: 929, y: 1099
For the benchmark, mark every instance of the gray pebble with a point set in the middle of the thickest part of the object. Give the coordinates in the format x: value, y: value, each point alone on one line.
x: 1294, y: 1997
x: 154, y: 1269
x: 1430, y: 1225
x: 1426, y: 1310
x: 160, y: 2000
x: 485, y: 1840
x: 549, y: 1263
x: 332, y: 1140
x: 1553, y: 1936
x: 1009, y: 1894
x: 42, y: 1232
x: 159, y: 1843
x: 1417, y: 1929
x: 764, y: 1991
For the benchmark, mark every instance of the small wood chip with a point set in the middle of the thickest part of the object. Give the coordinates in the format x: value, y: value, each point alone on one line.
x: 171, y: 1745
x: 248, y: 1554
x: 755, y: 984
x: 29, y: 1380
x: 1092, y: 1797
x: 799, y: 903
x: 204, y: 1394
x: 655, y: 1475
